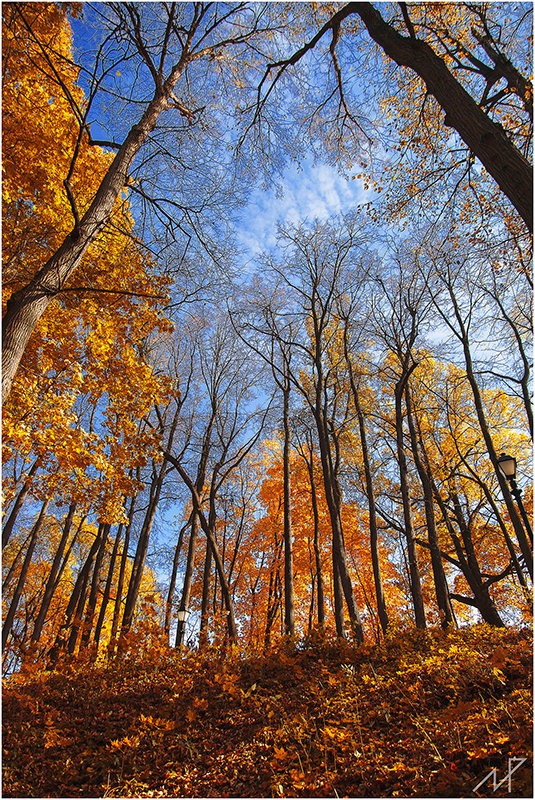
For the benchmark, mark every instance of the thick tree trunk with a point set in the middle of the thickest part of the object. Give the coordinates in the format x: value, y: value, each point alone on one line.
x: 26, y: 306
x: 485, y: 138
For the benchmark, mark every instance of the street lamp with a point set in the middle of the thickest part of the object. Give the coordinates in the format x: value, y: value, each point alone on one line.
x: 507, y: 464
x: 182, y: 616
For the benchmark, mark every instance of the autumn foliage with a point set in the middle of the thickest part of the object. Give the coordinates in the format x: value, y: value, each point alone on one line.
x: 257, y: 538
x: 422, y: 714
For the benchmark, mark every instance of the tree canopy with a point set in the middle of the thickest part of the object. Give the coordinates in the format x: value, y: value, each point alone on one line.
x: 291, y: 449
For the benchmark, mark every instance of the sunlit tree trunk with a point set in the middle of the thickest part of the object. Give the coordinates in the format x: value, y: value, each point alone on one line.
x: 289, y: 610
x: 484, y: 137
x: 414, y: 570
x: 19, y: 588
x: 441, y: 586
x: 172, y: 579
x: 10, y: 522
x: 53, y: 574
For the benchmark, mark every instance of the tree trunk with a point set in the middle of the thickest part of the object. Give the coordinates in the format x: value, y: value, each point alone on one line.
x: 76, y: 602
x: 289, y: 611
x: 485, y: 138
x: 414, y: 571
x: 441, y: 586
x: 340, y: 567
x: 17, y: 594
x: 208, y: 528
x: 274, y: 594
x: 52, y: 575
x: 317, y: 552
x: 10, y: 522
x: 203, y: 630
x: 107, y: 588
x: 122, y: 572
x: 172, y: 579
x: 374, y: 539
x: 144, y: 536
x: 95, y: 583
x: 141, y: 550
x: 26, y: 306
x: 520, y: 531
x: 15, y: 563
x: 483, y: 600
x: 188, y: 578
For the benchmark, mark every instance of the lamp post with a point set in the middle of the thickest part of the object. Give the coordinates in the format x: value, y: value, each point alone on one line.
x: 507, y: 465
x: 182, y: 616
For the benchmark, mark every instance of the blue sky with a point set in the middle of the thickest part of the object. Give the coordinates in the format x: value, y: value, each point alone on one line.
x: 309, y: 191
x: 306, y: 191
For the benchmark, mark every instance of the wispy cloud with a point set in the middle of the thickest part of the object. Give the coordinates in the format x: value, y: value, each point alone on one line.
x: 306, y: 192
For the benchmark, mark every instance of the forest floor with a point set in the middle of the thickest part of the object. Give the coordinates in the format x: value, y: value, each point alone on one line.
x: 424, y: 714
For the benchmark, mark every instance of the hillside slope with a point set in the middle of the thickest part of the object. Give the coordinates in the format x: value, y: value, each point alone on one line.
x: 422, y: 715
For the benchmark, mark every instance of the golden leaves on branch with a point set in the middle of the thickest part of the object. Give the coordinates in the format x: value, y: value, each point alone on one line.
x: 82, y: 388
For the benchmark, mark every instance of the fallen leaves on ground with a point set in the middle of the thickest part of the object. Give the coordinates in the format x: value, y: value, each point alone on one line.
x: 422, y: 714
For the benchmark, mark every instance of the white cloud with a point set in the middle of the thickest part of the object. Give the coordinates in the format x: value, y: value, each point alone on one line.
x: 308, y: 192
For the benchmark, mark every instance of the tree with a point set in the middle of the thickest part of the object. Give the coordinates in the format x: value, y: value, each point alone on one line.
x: 187, y: 34
x: 316, y: 261
x: 484, y: 137
x: 398, y: 323
x: 347, y: 311
x: 222, y: 429
x: 459, y: 54
x: 457, y: 313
